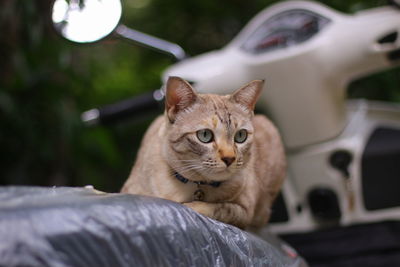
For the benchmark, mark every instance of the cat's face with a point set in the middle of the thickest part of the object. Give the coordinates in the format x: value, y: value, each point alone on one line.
x: 209, y: 136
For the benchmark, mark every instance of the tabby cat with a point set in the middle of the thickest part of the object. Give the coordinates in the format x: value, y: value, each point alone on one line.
x: 210, y: 153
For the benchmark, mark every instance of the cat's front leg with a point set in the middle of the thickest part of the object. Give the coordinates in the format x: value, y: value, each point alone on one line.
x: 230, y: 213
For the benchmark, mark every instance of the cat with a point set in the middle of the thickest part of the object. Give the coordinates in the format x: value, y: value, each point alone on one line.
x: 212, y: 154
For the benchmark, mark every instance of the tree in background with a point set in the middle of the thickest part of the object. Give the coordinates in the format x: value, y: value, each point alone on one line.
x: 46, y: 82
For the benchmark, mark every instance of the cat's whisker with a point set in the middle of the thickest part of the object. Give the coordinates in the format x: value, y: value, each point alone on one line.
x: 186, y: 168
x: 183, y: 160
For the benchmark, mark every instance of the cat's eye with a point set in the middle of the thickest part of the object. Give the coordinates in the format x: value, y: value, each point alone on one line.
x: 205, y: 135
x: 240, y: 136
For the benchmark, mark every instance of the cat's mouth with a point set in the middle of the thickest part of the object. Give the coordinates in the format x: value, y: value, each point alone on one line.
x: 208, y: 172
x: 225, y: 169
x: 231, y: 168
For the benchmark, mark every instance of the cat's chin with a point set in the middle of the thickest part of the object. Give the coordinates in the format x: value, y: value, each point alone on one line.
x: 221, y: 175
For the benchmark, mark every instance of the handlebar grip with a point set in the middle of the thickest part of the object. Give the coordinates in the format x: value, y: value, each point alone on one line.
x: 121, y: 110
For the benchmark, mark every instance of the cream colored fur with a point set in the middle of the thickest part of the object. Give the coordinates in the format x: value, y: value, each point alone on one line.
x: 248, y: 185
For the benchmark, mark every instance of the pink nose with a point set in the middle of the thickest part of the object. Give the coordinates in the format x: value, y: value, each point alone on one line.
x: 228, y: 160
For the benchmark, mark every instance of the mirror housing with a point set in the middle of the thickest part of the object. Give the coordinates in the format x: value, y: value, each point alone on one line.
x: 86, y: 21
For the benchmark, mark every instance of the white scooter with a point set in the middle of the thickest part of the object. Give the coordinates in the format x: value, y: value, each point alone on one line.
x: 343, y: 156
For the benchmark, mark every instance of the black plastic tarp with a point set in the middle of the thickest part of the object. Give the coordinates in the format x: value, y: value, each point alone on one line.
x: 83, y: 227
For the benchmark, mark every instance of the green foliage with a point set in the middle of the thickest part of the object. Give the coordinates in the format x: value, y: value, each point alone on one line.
x: 47, y: 82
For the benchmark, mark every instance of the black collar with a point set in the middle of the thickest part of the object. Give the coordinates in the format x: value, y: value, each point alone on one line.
x: 185, y: 180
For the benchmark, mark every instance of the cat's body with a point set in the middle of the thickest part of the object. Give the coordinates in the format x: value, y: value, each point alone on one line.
x: 241, y: 172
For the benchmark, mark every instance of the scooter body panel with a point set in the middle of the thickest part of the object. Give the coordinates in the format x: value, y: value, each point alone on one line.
x: 311, y: 169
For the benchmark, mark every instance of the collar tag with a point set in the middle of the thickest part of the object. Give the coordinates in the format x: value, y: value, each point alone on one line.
x: 198, y: 195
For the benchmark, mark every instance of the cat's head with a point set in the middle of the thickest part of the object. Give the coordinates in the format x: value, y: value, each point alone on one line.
x: 208, y: 136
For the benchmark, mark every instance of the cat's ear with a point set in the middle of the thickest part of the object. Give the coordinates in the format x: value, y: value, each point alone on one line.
x: 178, y: 96
x: 248, y: 95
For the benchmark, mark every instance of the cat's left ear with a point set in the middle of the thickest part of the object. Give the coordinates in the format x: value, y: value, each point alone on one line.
x: 248, y: 95
x: 178, y: 96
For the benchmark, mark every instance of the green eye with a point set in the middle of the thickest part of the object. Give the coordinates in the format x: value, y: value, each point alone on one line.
x: 241, y: 136
x: 205, y: 135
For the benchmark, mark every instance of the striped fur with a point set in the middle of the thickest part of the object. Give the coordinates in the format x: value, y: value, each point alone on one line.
x: 256, y: 167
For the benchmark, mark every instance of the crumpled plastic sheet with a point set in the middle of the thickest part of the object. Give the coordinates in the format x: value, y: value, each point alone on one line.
x: 82, y: 227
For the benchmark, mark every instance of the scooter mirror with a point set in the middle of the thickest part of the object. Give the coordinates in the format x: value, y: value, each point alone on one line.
x: 86, y: 21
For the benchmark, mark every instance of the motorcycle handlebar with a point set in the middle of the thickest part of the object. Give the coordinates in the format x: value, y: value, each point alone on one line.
x: 120, y: 110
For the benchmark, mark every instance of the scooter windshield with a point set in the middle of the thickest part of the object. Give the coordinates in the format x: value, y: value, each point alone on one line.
x: 284, y: 30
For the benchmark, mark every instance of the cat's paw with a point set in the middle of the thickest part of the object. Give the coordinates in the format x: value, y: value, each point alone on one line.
x: 201, y: 207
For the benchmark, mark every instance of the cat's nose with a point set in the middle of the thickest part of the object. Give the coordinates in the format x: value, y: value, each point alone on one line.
x: 228, y: 160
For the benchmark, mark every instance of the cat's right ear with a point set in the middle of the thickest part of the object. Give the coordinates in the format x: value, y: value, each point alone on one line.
x: 178, y: 96
x: 248, y: 95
